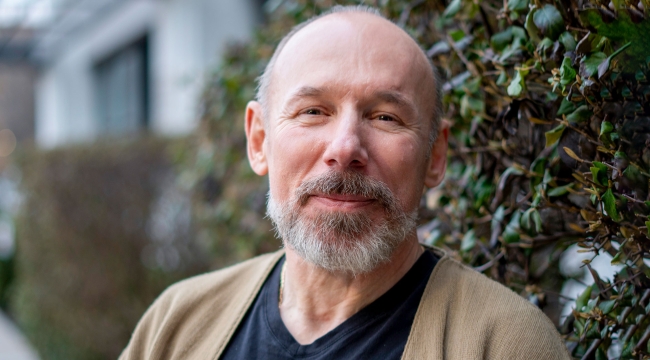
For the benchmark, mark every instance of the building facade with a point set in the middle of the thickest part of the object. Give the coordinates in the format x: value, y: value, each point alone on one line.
x: 121, y: 67
x: 17, y: 77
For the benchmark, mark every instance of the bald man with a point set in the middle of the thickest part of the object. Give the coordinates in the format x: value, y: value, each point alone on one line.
x: 347, y: 127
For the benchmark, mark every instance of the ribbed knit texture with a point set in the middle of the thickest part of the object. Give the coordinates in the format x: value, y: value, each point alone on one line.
x: 462, y: 315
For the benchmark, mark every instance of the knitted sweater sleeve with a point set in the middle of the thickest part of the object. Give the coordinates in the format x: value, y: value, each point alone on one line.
x: 525, y: 333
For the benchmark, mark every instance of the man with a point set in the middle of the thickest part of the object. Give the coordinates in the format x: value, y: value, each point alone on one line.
x: 347, y: 126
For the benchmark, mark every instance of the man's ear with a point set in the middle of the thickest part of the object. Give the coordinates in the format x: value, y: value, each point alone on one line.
x: 437, y: 165
x: 256, y: 137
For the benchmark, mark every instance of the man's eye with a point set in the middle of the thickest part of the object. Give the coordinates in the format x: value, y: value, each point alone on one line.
x: 385, y: 118
x: 313, y: 112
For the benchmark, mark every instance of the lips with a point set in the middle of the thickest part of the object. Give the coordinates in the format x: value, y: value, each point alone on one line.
x: 342, y: 201
x: 345, y: 189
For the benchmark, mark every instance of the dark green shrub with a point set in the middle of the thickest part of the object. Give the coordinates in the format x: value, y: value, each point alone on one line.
x: 548, y: 104
x: 92, y: 252
x: 6, y: 280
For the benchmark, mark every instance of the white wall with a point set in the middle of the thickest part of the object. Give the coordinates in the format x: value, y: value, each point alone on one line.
x: 190, y: 38
x: 187, y: 37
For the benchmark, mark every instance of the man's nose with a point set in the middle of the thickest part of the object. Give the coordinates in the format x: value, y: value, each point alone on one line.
x: 347, y: 148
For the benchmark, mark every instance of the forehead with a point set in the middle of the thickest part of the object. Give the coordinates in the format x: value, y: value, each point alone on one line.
x: 352, y: 52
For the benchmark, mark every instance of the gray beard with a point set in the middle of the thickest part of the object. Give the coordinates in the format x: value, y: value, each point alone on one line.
x: 336, y: 241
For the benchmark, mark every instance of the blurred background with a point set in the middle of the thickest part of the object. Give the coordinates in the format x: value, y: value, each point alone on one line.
x: 123, y: 166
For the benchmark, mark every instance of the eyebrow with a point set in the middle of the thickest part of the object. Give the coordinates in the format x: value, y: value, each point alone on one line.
x: 307, y: 91
x: 395, y: 97
x: 389, y: 96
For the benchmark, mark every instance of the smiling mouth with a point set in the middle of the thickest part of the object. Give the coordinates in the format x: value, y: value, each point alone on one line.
x: 341, y: 190
x: 341, y: 201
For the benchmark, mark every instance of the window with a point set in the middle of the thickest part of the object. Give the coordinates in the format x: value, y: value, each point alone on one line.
x: 122, y: 90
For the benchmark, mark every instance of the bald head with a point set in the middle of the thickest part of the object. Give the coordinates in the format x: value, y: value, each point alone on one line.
x: 356, y: 38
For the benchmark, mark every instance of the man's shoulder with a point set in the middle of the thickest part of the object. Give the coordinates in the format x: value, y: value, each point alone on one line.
x: 486, y: 299
x: 198, y: 314
x: 465, y: 304
x: 472, y: 285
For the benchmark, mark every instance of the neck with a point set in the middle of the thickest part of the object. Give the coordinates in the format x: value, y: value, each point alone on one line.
x: 315, y: 301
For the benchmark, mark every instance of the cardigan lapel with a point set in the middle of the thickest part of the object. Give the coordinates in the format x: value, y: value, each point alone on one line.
x: 244, y: 297
x: 428, y: 330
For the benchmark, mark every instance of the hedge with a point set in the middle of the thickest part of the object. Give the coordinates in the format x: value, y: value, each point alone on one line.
x: 102, y: 231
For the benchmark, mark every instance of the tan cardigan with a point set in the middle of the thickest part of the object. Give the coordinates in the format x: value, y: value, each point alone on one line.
x: 462, y: 315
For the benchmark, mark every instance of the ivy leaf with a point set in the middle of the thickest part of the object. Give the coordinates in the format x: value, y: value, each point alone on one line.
x: 566, y: 107
x: 524, y: 222
x: 537, y: 199
x: 594, y: 174
x: 497, y: 217
x: 511, y: 233
x: 606, y: 127
x: 607, y: 306
x: 549, y: 21
x: 579, y: 325
x: 647, y: 227
x: 547, y: 177
x: 469, y: 106
x: 568, y: 41
x: 468, y: 242
x: 610, y: 205
x: 552, y: 136
x: 592, y: 331
x: 633, y: 174
x: 441, y: 47
x: 457, y: 35
x: 453, y: 8
x: 531, y: 29
x: 500, y: 40
x: 517, y: 5
x: 582, y: 300
x: 559, y: 191
x: 599, y: 173
x: 483, y: 190
x: 511, y: 49
x: 517, y: 85
x: 518, y: 33
x: 600, y: 165
x: 604, y: 66
x: 503, y: 78
x: 567, y: 73
x: 473, y: 85
x: 581, y: 114
x: 537, y: 219
x: 589, y: 64
x: 537, y: 167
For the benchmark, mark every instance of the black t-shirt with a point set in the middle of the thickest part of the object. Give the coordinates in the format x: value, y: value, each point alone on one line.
x: 378, y: 331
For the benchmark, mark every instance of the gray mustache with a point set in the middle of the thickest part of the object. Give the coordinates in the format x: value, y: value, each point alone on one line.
x: 347, y: 183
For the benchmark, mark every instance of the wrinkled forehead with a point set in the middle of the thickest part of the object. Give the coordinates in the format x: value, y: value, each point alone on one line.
x: 347, y: 51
